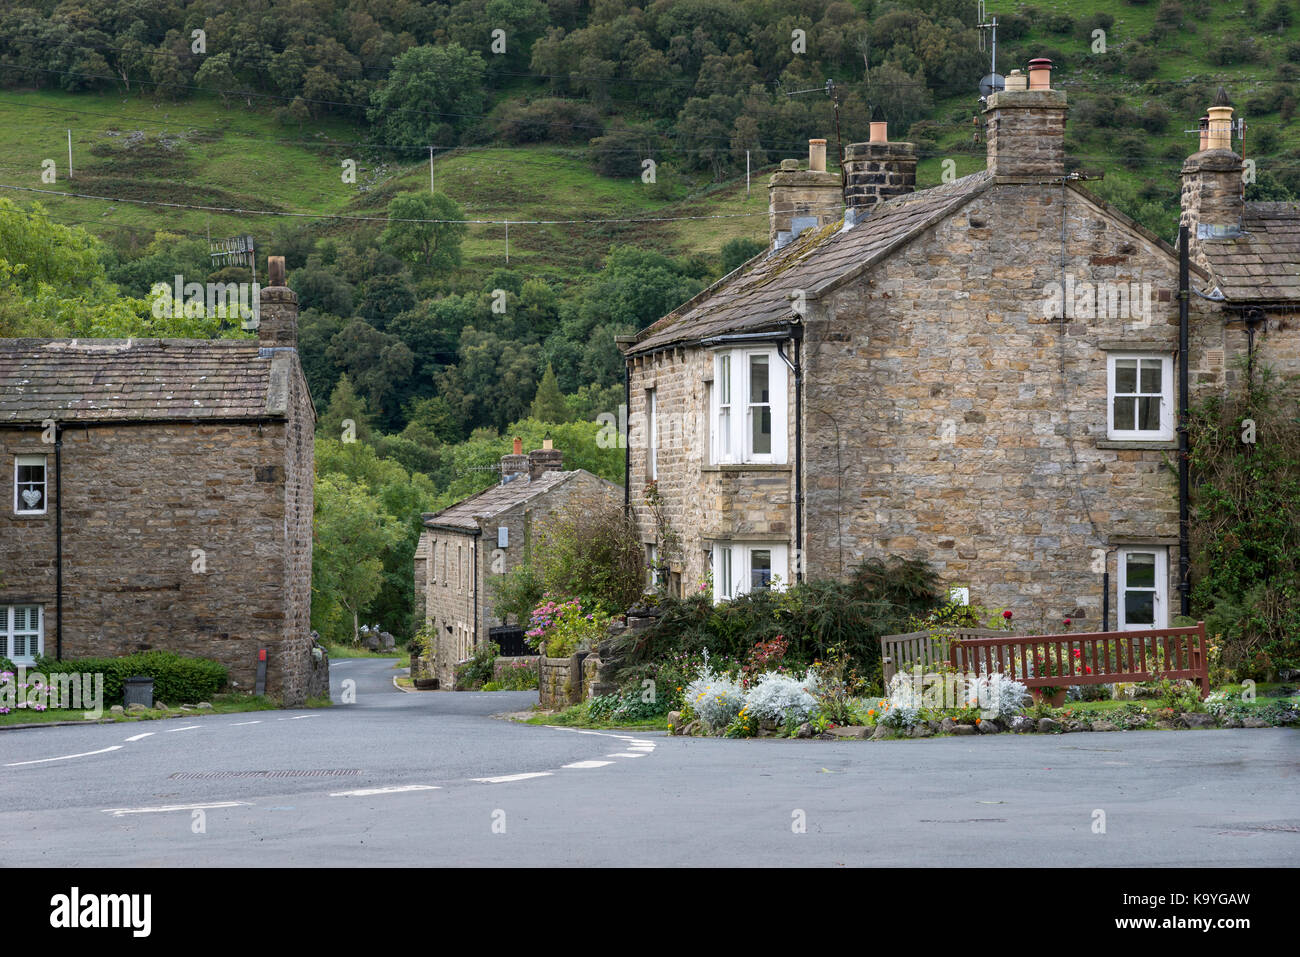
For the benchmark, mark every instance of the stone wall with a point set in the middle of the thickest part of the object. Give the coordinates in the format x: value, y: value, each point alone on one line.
x: 560, y: 682
x: 972, y: 428
x: 703, y: 503
x: 138, y: 500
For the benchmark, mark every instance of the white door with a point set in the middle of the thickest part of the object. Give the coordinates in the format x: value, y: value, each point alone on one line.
x: 1143, y: 588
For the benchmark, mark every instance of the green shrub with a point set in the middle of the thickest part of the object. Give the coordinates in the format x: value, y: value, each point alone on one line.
x: 175, y: 679
x: 476, y: 671
x: 514, y: 676
x: 7, y: 665
x: 813, y: 616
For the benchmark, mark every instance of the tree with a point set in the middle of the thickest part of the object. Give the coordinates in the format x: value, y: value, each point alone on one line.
x: 344, y: 406
x: 433, y: 243
x: 737, y: 252
x: 351, y: 532
x: 548, y: 404
x: 379, y: 365
x: 430, y: 88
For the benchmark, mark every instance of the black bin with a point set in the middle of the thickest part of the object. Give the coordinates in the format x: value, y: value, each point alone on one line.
x: 137, y: 691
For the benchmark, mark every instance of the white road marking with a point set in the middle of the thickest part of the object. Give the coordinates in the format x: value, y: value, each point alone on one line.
x: 366, y: 792
x: 188, y: 727
x: 65, y: 757
x: 119, y: 811
x: 588, y: 764
x: 137, y: 737
x: 298, y: 717
x: 625, y: 754
x: 513, y: 777
x: 239, y: 723
x: 640, y: 747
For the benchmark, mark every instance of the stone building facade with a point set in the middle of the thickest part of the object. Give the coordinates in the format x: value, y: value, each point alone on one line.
x: 159, y: 495
x: 464, y: 546
x: 982, y: 375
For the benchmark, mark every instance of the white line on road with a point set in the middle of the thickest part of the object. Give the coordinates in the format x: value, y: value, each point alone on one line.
x: 137, y: 737
x: 513, y: 777
x: 625, y: 754
x: 643, y: 750
x: 588, y: 764
x: 188, y: 727
x: 119, y: 811
x: 65, y: 757
x: 238, y: 723
x: 366, y: 792
x: 298, y: 717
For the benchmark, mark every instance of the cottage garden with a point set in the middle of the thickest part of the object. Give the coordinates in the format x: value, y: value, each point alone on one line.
x: 805, y: 663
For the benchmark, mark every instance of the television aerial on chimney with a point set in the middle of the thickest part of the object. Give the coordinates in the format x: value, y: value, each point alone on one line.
x: 994, y: 81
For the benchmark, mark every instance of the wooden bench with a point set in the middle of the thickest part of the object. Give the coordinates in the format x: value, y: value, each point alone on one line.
x: 1112, y: 656
x: 924, y: 648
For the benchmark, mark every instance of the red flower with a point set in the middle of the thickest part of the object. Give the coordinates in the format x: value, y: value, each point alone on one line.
x: 1007, y: 614
x: 1088, y: 668
x: 1077, y: 652
x: 1067, y: 621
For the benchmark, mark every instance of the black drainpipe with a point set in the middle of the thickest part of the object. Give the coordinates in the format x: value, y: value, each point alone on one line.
x: 1184, y: 463
x: 58, y: 542
x: 796, y: 343
x: 626, y: 430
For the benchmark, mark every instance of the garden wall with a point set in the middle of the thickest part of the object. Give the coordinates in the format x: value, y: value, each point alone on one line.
x: 560, y: 683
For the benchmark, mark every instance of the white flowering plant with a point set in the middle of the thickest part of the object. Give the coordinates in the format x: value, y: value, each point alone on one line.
x: 781, y: 697
x: 716, y: 698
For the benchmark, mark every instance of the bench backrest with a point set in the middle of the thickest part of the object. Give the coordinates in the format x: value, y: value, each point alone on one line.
x: 924, y: 648
x: 1104, y: 657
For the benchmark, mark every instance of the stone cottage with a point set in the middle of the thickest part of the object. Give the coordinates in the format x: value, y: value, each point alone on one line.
x: 983, y: 375
x: 463, y: 546
x: 161, y: 497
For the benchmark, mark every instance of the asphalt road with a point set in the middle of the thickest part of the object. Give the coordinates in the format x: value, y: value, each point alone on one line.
x: 433, y: 779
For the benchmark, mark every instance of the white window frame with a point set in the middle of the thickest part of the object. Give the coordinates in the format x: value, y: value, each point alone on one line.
x: 730, y: 394
x: 741, y: 559
x: 1166, y: 430
x: 7, y: 632
x: 1161, y: 588
x: 20, y: 507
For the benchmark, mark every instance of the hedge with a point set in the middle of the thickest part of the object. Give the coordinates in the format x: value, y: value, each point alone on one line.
x: 175, y: 679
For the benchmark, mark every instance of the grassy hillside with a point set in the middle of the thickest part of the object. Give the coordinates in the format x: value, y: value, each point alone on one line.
x: 200, y: 153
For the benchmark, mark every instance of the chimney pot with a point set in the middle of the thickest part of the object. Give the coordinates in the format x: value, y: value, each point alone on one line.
x: 275, y: 268
x: 817, y: 156
x: 1040, y: 74
x: 519, y: 446
x: 879, y: 131
x: 1016, y: 81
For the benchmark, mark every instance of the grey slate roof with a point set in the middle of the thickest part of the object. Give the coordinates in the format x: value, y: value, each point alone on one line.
x: 122, y: 379
x: 497, y: 499
x: 756, y: 297
x: 1263, y: 263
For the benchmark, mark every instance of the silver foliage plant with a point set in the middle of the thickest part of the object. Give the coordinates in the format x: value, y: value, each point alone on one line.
x: 997, y: 695
x: 716, y: 698
x: 778, y: 697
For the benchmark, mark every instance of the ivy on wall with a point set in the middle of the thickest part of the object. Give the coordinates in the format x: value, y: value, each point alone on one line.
x: 1245, y: 546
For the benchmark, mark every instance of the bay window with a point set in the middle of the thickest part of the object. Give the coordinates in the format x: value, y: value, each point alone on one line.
x: 743, y: 567
x: 748, y: 411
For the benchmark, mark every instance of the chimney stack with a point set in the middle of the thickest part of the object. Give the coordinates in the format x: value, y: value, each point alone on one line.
x: 798, y: 199
x: 1026, y: 127
x: 1213, y: 197
x: 515, y: 464
x: 278, y: 309
x: 545, y: 459
x: 877, y: 170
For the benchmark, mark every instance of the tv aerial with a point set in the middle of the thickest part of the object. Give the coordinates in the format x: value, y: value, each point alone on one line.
x: 994, y: 81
